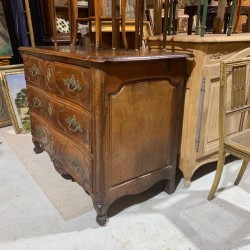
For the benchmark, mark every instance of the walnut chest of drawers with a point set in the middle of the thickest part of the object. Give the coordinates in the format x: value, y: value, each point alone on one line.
x: 109, y: 120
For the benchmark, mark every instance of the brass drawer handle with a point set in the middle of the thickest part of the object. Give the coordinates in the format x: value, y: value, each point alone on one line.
x: 74, y: 163
x: 50, y: 109
x: 34, y: 70
x: 49, y: 74
x: 37, y: 102
x: 51, y: 143
x: 39, y: 131
x: 73, y: 124
x: 72, y: 84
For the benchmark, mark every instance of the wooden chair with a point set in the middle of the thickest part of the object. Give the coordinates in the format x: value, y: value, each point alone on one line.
x: 236, y: 17
x: 94, y: 15
x: 233, y: 80
x: 233, y: 19
x: 52, y: 14
x: 168, y: 19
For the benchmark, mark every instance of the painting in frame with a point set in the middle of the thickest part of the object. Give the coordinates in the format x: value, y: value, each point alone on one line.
x: 5, y: 45
x: 5, y: 119
x: 14, y: 86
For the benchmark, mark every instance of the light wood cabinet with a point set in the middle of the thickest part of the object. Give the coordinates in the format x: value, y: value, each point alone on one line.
x: 200, y: 132
x: 110, y: 120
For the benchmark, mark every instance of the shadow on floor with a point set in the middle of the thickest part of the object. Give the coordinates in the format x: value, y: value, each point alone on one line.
x: 129, y: 200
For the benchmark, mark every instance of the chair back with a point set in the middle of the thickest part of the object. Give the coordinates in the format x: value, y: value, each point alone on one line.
x: 96, y: 13
x: 234, y: 93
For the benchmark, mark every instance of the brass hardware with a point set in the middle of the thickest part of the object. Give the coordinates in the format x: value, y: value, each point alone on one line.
x: 75, y: 163
x: 39, y: 131
x: 72, y: 84
x: 51, y: 143
x: 37, y: 102
x: 74, y: 125
x: 49, y: 74
x: 50, y: 110
x: 34, y: 70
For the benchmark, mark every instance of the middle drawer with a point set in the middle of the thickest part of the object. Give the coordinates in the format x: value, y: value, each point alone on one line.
x: 69, y: 82
x: 64, y: 116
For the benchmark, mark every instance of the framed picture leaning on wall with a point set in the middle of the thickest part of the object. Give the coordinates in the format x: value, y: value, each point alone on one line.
x: 5, y: 119
x: 14, y: 86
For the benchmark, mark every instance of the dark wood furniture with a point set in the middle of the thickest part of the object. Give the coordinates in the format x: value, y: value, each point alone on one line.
x: 109, y: 119
x: 49, y: 13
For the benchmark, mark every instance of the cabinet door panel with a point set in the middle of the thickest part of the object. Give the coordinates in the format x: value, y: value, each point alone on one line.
x: 140, y: 138
x: 209, y: 133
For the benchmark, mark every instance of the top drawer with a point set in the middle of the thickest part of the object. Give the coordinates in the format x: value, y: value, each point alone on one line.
x: 70, y: 82
x: 33, y: 69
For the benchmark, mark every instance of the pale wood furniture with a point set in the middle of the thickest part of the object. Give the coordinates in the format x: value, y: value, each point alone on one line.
x: 234, y: 80
x: 199, y: 142
x: 29, y: 23
x: 108, y: 119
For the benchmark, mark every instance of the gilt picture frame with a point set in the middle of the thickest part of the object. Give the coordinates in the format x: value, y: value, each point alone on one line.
x: 5, y: 119
x: 14, y: 88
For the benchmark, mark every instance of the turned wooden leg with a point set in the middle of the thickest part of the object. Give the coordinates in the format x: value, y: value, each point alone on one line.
x: 101, y: 210
x: 242, y: 171
x: 38, y: 148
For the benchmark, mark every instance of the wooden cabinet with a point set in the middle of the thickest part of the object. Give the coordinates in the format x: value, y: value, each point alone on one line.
x: 200, y: 133
x: 108, y: 119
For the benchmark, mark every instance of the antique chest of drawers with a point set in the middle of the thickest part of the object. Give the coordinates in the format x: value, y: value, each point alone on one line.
x: 110, y: 120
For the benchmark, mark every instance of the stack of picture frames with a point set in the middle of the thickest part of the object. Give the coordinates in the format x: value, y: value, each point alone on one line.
x: 13, y: 98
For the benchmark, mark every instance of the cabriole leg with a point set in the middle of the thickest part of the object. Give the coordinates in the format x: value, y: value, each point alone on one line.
x: 101, y: 210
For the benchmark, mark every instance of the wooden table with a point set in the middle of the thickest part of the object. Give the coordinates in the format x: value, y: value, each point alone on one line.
x: 110, y: 120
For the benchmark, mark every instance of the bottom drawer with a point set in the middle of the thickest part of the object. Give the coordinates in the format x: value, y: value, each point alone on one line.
x: 66, y: 156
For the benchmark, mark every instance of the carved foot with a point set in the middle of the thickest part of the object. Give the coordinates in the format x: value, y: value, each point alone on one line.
x: 168, y: 186
x: 68, y: 177
x: 101, y: 210
x: 38, y: 148
x: 101, y: 219
x: 186, y: 182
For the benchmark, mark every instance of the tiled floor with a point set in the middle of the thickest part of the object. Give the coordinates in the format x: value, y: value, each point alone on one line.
x: 152, y: 220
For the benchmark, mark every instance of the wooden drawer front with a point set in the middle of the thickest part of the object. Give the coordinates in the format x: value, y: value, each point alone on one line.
x: 33, y: 68
x: 65, y: 154
x: 70, y: 82
x: 66, y: 118
x: 36, y: 100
